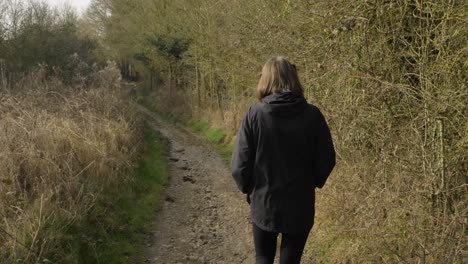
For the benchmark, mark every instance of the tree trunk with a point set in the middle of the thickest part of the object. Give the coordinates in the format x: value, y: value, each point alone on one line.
x: 151, y: 79
x: 170, y: 80
x: 196, y: 83
x: 218, y: 97
x: 211, y: 88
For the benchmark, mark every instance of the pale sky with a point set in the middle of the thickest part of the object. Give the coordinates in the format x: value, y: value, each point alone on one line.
x: 79, y: 5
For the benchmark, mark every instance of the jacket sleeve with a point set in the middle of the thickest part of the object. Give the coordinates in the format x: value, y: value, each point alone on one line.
x: 325, y: 158
x: 243, y: 157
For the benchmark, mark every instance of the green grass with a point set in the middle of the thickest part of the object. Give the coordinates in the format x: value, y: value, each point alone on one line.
x: 215, y: 136
x: 117, y: 229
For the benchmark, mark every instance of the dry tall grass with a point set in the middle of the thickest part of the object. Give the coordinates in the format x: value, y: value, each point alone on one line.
x: 60, y: 147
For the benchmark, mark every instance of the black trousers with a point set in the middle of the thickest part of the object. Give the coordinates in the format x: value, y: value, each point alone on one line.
x: 292, y: 247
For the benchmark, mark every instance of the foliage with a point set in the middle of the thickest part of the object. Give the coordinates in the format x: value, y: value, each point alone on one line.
x: 171, y: 48
x: 33, y: 33
x: 70, y: 143
x: 390, y: 77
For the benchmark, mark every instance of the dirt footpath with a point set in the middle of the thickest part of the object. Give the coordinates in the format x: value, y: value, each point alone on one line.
x: 204, y: 218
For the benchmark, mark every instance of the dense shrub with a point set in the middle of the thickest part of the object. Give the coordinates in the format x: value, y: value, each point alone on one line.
x: 33, y: 33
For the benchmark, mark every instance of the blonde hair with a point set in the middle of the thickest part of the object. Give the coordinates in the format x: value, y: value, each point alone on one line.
x: 278, y: 74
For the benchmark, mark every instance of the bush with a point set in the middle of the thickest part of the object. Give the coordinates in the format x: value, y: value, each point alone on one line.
x: 33, y: 33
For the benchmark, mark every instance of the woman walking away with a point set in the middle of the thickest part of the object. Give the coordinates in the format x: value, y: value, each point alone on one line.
x: 283, y: 151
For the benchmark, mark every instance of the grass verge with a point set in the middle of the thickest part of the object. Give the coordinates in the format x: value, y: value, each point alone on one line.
x: 128, y: 212
x: 215, y: 136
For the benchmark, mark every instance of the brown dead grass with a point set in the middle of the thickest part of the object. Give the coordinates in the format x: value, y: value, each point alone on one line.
x: 60, y: 147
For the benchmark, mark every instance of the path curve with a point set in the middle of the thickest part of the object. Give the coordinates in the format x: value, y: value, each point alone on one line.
x: 204, y: 218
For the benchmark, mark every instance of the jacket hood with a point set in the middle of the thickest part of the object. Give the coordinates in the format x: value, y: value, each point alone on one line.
x: 284, y: 104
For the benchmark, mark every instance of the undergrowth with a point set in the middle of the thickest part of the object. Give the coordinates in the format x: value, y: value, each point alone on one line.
x: 131, y: 210
x: 80, y: 176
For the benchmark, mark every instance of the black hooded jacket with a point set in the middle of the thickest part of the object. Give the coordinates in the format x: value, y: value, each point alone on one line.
x: 283, y: 151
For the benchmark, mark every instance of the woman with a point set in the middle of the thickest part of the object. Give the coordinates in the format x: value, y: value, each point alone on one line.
x: 283, y: 151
